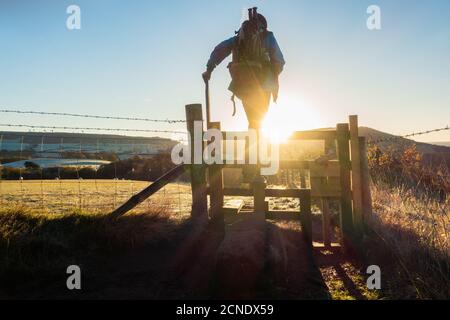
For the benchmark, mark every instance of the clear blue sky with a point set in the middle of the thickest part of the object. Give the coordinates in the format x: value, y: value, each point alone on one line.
x: 144, y: 58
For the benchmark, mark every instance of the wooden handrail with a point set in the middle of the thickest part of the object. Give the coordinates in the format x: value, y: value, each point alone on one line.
x: 296, y: 135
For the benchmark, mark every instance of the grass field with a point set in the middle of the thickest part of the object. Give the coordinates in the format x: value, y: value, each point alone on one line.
x: 61, y: 196
x: 46, y: 224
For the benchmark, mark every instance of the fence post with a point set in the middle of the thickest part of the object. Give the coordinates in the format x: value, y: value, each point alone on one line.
x: 344, y: 165
x: 198, y: 172
x: 259, y: 194
x: 305, y: 214
x: 216, y: 185
x: 326, y: 222
x: 365, y: 180
x: 356, y: 174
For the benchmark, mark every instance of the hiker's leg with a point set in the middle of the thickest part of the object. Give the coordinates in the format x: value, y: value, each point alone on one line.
x: 256, y: 107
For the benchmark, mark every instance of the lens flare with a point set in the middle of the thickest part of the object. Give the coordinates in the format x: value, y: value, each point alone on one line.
x: 289, y: 114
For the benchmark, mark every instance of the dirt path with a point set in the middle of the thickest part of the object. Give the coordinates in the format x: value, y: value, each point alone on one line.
x: 253, y: 259
x: 292, y: 267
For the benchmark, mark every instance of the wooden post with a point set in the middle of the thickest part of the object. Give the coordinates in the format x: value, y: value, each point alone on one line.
x: 329, y: 150
x: 305, y: 215
x: 302, y: 178
x: 198, y: 172
x: 344, y: 165
x: 356, y: 174
x: 365, y: 180
x: 326, y: 222
x: 259, y: 194
x: 216, y: 186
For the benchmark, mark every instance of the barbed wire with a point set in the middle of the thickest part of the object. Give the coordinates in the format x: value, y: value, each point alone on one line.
x: 90, y: 128
x: 408, y: 135
x: 65, y: 114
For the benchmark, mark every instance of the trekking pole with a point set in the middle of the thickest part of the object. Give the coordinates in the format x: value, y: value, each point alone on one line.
x: 208, y: 112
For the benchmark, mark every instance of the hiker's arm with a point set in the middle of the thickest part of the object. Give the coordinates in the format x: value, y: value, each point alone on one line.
x: 275, y: 54
x: 220, y: 52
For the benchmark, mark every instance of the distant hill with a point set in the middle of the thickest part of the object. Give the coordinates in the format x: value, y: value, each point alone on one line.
x: 74, y: 137
x: 51, y: 144
x: 442, y: 143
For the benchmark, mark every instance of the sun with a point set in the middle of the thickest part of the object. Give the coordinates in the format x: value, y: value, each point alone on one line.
x: 289, y: 114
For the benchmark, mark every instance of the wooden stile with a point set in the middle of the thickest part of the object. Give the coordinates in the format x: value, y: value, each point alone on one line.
x: 346, y: 179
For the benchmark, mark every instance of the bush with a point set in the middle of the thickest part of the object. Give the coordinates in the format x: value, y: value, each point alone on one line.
x: 404, y: 167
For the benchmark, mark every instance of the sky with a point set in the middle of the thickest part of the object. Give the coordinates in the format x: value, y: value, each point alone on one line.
x: 145, y: 59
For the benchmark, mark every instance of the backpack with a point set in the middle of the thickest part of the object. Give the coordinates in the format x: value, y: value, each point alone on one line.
x: 250, y: 58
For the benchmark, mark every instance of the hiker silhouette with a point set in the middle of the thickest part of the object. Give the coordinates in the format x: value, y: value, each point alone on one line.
x: 256, y: 64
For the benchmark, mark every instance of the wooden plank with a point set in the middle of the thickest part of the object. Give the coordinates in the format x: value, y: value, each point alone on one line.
x: 259, y: 195
x: 198, y: 172
x: 288, y: 193
x: 305, y: 216
x: 233, y: 206
x: 365, y: 180
x: 298, y: 135
x: 284, y: 164
x: 346, y: 218
x: 245, y: 192
x: 325, y: 191
x: 147, y: 192
x: 356, y: 173
x: 241, y: 192
x: 329, y: 169
x: 293, y: 164
x: 314, y: 135
x: 334, y: 182
x: 325, y: 187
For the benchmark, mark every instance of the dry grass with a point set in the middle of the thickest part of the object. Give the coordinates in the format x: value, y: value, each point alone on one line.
x: 417, y: 232
x: 40, y: 246
x: 46, y: 225
x: 62, y: 196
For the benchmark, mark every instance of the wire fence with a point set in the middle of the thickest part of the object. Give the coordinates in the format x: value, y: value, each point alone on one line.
x: 56, y: 183
x: 413, y: 134
x: 46, y: 171
x: 37, y: 153
x: 90, y: 116
x: 90, y: 128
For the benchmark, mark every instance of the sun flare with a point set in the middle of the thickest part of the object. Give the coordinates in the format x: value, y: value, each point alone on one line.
x: 289, y: 114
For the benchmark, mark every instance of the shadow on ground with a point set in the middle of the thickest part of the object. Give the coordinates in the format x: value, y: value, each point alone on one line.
x: 156, y: 257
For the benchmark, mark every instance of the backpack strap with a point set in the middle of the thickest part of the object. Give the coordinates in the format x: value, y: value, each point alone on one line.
x: 234, y: 105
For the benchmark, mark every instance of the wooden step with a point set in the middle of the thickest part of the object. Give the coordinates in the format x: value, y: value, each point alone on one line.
x: 233, y: 206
